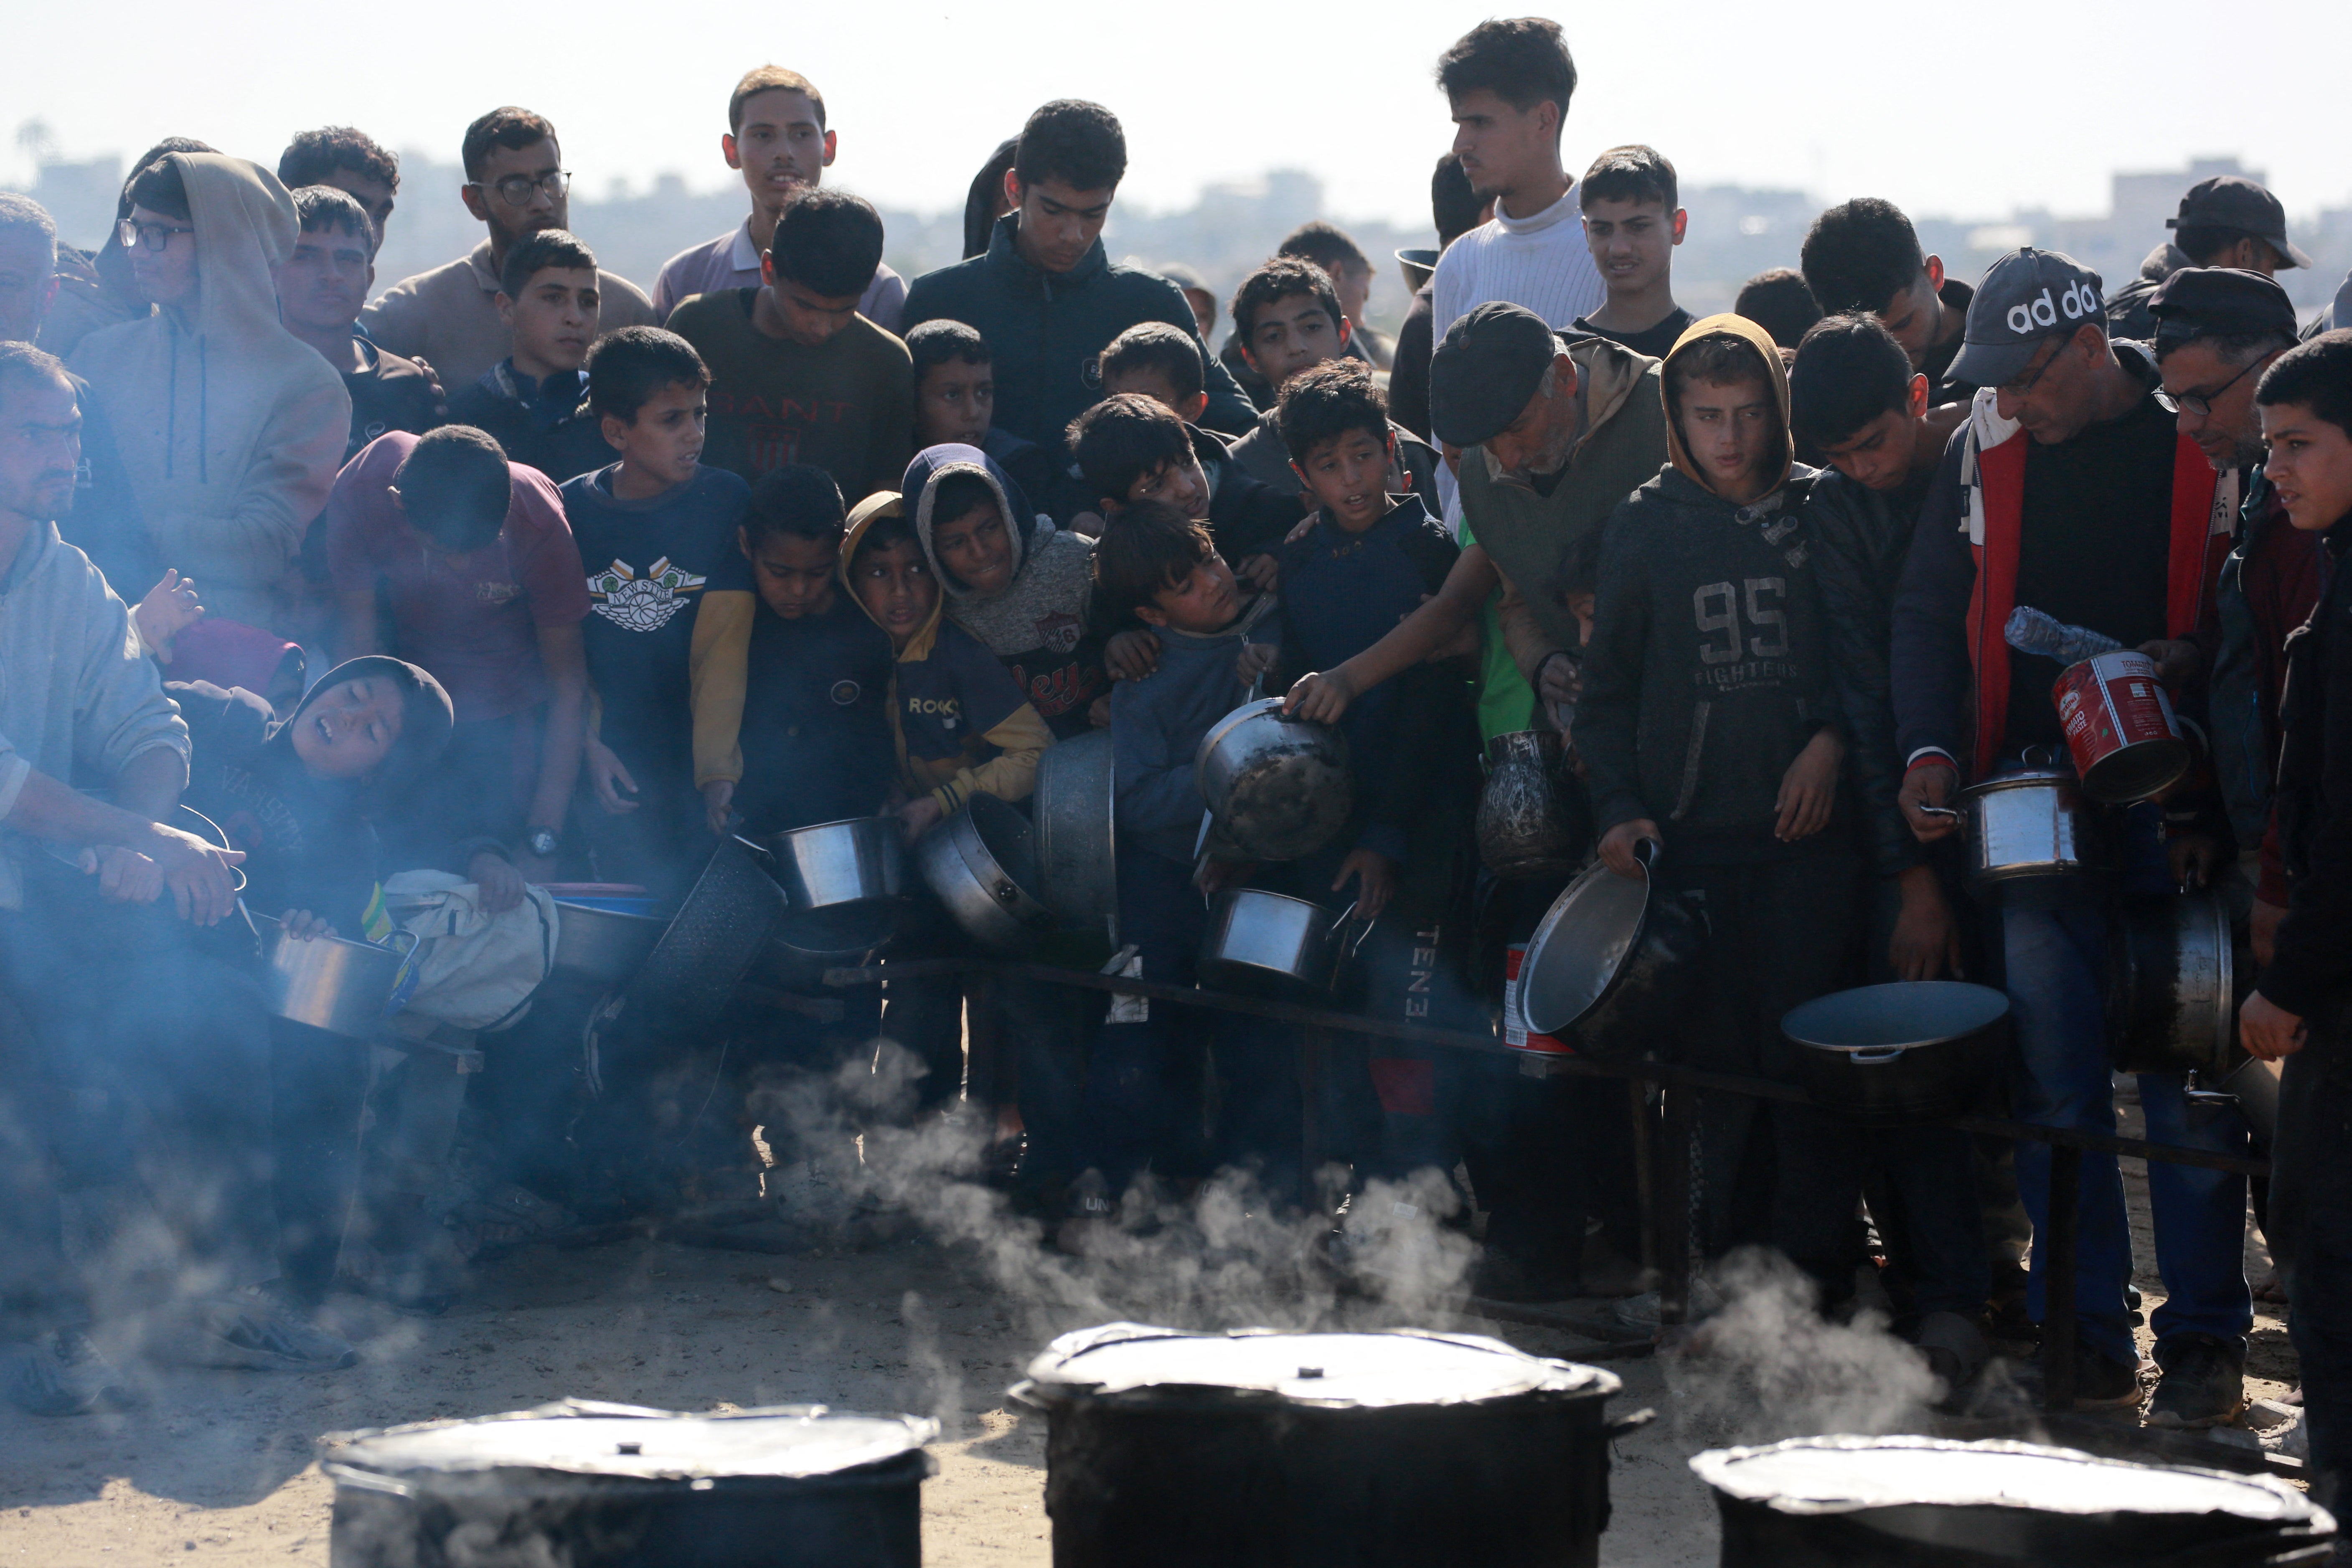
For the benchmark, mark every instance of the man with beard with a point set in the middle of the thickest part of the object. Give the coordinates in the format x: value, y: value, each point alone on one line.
x: 517, y: 185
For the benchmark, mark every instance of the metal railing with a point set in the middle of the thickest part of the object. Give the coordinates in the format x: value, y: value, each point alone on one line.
x: 1667, y: 1180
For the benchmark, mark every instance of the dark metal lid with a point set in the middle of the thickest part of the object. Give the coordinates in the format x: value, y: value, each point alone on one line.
x: 1849, y: 1475
x: 587, y: 1438
x: 1359, y: 1371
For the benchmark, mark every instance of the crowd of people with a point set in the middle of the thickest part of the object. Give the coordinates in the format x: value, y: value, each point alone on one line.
x: 514, y: 575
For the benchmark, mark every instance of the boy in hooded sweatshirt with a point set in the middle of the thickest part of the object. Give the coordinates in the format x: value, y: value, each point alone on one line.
x: 1013, y: 579
x: 1711, y: 737
x: 230, y: 427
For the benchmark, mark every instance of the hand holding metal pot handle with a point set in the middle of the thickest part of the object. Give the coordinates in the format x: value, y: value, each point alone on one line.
x: 2267, y: 1030
x: 1630, y: 849
x: 1925, y: 789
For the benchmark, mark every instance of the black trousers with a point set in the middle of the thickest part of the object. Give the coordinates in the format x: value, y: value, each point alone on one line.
x: 2311, y: 1233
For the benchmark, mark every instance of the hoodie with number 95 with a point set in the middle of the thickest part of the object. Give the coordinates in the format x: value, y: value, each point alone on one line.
x: 1707, y: 669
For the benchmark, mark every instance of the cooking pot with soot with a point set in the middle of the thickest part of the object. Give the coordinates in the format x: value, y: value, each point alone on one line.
x: 1280, y: 788
x: 589, y: 1485
x: 1257, y: 1448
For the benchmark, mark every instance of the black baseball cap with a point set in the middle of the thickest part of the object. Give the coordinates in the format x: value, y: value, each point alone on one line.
x: 1481, y: 375
x: 2219, y: 301
x: 2028, y: 296
x: 2234, y: 202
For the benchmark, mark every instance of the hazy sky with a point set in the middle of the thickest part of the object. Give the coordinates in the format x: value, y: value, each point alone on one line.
x: 1966, y: 111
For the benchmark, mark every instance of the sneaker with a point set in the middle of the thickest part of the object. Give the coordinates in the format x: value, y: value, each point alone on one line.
x: 62, y: 1374
x: 249, y: 1330
x: 2101, y: 1382
x: 2204, y: 1382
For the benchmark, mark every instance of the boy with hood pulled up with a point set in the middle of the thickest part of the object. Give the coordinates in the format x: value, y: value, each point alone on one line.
x: 230, y: 427
x: 1709, y: 708
x: 1010, y: 579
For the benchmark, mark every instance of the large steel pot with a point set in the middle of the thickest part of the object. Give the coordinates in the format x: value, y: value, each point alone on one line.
x: 1260, y: 1449
x: 1923, y: 1502
x: 1911, y: 1050
x: 604, y: 932
x: 844, y: 937
x: 2172, y: 989
x: 1268, y: 942
x: 2253, y: 1087
x: 342, y: 987
x: 1529, y: 825
x: 725, y: 919
x: 1279, y: 786
x: 2030, y: 834
x: 1610, y: 967
x: 589, y: 1485
x: 860, y: 860
x: 982, y: 862
x: 1075, y: 815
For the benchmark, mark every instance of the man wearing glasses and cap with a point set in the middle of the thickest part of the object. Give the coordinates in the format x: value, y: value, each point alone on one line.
x: 2072, y: 490
x: 449, y: 317
x: 2217, y: 330
x: 2228, y: 220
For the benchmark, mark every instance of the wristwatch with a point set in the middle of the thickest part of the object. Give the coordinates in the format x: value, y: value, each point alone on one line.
x: 543, y: 842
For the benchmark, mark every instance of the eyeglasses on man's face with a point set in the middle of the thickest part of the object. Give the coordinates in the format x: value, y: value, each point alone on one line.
x: 152, y: 235
x: 517, y: 190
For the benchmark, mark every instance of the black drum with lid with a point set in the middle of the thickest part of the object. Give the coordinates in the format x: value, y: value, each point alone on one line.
x: 1264, y: 1449
x: 588, y: 1485
x: 1923, y: 1503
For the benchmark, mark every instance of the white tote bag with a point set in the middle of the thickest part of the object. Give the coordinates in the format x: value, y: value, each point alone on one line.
x: 476, y: 970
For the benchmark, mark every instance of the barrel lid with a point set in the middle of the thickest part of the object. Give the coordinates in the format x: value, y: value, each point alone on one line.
x: 1849, y: 1474
x: 1398, y: 1366
x: 588, y: 1439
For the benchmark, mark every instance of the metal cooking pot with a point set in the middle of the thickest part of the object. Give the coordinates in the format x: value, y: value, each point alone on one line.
x: 721, y: 925
x: 858, y: 860
x: 342, y: 987
x: 806, y: 946
x: 1912, y: 1050
x: 982, y: 862
x: 1923, y: 1502
x: 1260, y: 1449
x: 1529, y: 824
x: 1074, y: 815
x: 591, y: 1485
x: 2030, y: 834
x: 1260, y: 941
x: 606, y: 940
x: 2172, y: 989
x: 2253, y: 1087
x: 1608, y: 964
x: 1280, y: 788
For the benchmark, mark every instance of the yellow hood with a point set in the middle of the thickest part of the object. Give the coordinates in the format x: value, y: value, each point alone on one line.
x: 862, y: 518
x: 1768, y: 355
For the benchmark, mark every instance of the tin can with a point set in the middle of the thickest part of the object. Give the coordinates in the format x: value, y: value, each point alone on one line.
x: 1516, y: 1033
x: 2127, y: 744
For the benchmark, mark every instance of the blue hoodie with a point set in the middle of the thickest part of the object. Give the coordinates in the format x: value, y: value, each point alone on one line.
x: 1157, y: 723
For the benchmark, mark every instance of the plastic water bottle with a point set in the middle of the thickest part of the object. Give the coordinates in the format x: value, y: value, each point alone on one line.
x: 2029, y: 631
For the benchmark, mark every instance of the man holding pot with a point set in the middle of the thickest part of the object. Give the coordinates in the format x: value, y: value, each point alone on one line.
x: 2072, y: 490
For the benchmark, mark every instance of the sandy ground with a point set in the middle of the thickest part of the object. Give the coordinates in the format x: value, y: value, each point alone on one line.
x: 222, y: 1469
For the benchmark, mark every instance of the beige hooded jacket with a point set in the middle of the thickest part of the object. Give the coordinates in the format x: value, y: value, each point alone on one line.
x: 231, y: 428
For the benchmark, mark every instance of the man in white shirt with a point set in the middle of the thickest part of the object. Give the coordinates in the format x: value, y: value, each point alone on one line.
x: 777, y: 140
x: 1508, y: 82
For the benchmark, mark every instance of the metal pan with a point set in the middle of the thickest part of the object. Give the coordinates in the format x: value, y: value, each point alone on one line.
x: 1911, y: 1050
x: 2172, y: 986
x: 1611, y: 961
x: 859, y: 860
x: 982, y: 862
x: 1074, y: 816
x: 1280, y: 788
x: 328, y: 982
x: 1261, y: 941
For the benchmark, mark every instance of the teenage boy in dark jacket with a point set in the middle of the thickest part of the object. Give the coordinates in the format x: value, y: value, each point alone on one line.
x: 535, y: 401
x: 1707, y: 708
x: 1046, y: 295
x: 2302, y: 1009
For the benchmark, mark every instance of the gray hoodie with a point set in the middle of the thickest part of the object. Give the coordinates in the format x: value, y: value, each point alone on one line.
x: 230, y: 427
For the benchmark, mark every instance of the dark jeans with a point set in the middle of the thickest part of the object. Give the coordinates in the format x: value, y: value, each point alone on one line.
x: 1136, y: 1083
x: 2311, y: 1231
x: 1822, y: 1161
x: 1779, y: 932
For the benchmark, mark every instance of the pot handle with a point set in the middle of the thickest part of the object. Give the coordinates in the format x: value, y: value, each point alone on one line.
x: 1937, y: 812
x: 2197, y: 1093
x: 759, y: 850
x: 235, y: 871
x: 1625, y: 1424
x: 1876, y: 1058
x: 1647, y: 851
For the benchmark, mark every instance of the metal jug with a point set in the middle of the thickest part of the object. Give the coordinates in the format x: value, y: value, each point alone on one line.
x: 1526, y: 826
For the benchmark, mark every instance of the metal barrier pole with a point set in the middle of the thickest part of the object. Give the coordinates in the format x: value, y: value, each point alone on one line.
x: 983, y: 1027
x: 2058, y: 1278
x: 1646, y: 1169
x: 1672, y: 1217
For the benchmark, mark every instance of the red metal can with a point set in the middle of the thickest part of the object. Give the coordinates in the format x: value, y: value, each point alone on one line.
x: 1516, y: 1033
x: 2119, y: 725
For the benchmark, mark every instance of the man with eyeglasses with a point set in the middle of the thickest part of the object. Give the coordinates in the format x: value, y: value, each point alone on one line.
x: 2072, y: 489
x: 2217, y: 330
x: 516, y: 184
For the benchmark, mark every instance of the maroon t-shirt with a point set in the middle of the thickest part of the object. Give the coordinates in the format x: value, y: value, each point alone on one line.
x: 473, y: 620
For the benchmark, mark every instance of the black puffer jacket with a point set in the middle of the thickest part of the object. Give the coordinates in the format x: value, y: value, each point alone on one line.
x: 2314, y: 954
x: 1860, y: 538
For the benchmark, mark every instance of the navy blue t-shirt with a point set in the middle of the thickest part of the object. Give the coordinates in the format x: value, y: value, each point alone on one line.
x: 947, y: 702
x: 649, y: 562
